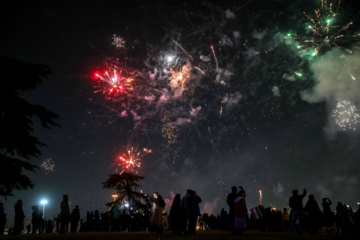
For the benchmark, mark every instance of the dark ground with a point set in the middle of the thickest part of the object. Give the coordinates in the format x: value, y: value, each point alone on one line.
x: 208, y: 235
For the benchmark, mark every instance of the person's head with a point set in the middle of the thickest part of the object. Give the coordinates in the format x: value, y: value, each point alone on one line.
x: 295, y: 192
x: 241, y: 192
x: 156, y: 194
x: 35, y: 207
x: 234, y: 189
x: 65, y: 197
x: 311, y: 197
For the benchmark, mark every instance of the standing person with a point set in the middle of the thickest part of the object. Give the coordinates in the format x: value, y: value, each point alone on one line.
x: 230, y: 200
x: 286, y: 219
x: 338, y: 216
x: 328, y: 215
x: 74, y: 219
x: 295, y: 202
x: 19, y: 218
x: 64, y: 214
x: 165, y: 221
x: 175, y: 215
x: 36, y: 219
x: 115, y: 222
x: 184, y: 219
x: 156, y: 212
x: 314, y: 213
x: 240, y: 213
x: 2, y: 218
x: 192, y: 210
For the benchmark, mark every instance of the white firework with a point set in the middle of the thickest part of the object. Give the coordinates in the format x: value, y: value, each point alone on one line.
x: 346, y: 115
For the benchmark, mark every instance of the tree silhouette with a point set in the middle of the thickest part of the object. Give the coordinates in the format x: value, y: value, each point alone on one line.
x: 125, y: 185
x: 17, y: 143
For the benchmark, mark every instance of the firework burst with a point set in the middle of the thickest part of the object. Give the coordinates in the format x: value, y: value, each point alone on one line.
x: 118, y: 42
x: 48, y: 165
x: 346, y: 115
x: 323, y: 31
x: 130, y: 161
x: 113, y: 83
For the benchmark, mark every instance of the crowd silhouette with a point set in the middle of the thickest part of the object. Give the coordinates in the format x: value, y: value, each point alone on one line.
x: 184, y: 217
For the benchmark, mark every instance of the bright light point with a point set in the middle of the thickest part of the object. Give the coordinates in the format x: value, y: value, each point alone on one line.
x: 43, y: 202
x: 126, y: 204
x: 169, y: 58
x: 289, y: 35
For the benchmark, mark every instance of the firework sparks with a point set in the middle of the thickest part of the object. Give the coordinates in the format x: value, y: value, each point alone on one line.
x: 181, y: 76
x: 322, y: 32
x: 346, y: 115
x: 113, y: 82
x: 48, y: 165
x: 118, y: 41
x: 130, y: 161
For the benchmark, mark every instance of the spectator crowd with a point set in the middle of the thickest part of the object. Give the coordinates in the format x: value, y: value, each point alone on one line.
x: 185, y: 217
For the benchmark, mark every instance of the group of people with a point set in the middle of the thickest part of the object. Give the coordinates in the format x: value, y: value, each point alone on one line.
x: 345, y: 219
x: 185, y: 214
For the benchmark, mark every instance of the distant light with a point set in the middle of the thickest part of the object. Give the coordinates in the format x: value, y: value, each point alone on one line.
x: 44, y: 201
x: 169, y: 58
x: 126, y: 204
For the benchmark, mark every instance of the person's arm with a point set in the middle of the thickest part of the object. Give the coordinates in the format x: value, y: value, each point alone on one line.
x: 304, y: 193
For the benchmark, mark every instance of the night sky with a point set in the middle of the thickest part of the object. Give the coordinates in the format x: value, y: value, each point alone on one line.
x: 261, y: 110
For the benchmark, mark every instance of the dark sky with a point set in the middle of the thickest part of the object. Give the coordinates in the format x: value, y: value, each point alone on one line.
x: 244, y: 116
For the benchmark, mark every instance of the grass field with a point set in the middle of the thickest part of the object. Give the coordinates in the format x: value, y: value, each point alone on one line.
x: 208, y: 235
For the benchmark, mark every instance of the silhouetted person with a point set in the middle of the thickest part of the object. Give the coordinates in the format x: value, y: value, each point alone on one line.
x: 49, y: 226
x: 36, y: 219
x: 314, y: 214
x: 295, y: 202
x: 74, y: 219
x: 115, y: 223
x: 19, y: 218
x: 328, y: 215
x: 338, y: 219
x: 28, y: 228
x: 240, y: 213
x: 175, y: 215
x: 347, y: 221
x: 286, y: 219
x: 64, y: 214
x: 192, y: 210
x: 357, y: 220
x: 2, y: 218
x: 230, y: 200
x: 184, y: 219
x: 97, y: 223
